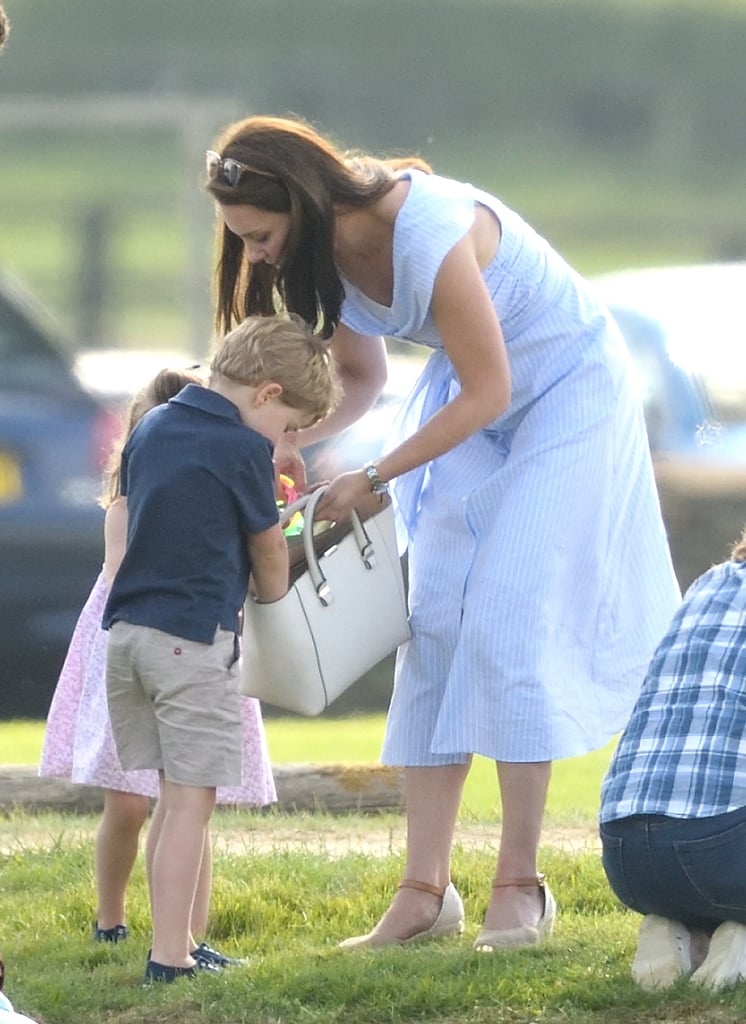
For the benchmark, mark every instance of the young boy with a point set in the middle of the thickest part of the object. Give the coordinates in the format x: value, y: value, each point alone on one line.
x: 199, y: 481
x: 673, y: 803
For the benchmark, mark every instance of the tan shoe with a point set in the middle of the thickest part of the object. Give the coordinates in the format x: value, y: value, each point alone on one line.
x: 725, y: 963
x: 663, y: 953
x: 450, y: 920
x: 491, y: 939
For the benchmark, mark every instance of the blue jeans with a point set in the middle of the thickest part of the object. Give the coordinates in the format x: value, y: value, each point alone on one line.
x: 691, y: 870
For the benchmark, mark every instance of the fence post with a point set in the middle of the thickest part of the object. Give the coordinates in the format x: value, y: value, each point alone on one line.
x: 93, y: 274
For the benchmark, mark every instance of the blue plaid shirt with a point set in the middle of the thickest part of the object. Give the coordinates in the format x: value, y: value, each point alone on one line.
x: 683, y: 752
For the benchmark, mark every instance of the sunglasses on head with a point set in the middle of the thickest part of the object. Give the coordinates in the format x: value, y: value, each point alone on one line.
x: 228, y: 170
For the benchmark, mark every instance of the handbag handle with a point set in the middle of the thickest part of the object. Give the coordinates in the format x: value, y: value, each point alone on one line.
x: 307, y: 503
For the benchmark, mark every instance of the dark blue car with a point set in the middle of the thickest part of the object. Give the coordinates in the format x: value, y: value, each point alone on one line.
x: 685, y: 327
x: 54, y: 439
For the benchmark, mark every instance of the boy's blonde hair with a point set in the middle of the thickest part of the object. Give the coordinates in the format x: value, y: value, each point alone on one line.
x: 165, y: 385
x: 281, y: 349
x: 738, y: 554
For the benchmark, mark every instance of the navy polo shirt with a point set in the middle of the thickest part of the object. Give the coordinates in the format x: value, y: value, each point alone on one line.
x: 198, y: 482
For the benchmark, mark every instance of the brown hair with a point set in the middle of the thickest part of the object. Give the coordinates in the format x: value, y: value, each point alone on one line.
x: 165, y: 385
x: 738, y: 554
x: 291, y: 169
x: 283, y: 350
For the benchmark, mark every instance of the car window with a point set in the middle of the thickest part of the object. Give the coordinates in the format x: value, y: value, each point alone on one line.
x: 28, y: 357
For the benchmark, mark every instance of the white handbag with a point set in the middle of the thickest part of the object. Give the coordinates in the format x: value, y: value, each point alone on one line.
x: 344, y: 612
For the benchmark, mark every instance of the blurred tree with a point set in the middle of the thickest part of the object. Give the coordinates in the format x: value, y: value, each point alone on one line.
x: 658, y: 80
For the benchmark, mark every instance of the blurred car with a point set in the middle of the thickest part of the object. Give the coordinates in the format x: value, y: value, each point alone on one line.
x: 113, y: 375
x: 54, y: 439
x: 686, y: 329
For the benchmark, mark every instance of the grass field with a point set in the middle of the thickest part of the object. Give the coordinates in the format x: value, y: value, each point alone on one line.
x: 286, y: 904
x: 573, y: 796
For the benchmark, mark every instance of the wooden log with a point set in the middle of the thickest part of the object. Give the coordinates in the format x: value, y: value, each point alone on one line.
x: 339, y: 788
x: 21, y: 787
x: 333, y: 788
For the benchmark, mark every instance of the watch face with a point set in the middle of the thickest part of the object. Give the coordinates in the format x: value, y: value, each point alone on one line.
x: 377, y: 485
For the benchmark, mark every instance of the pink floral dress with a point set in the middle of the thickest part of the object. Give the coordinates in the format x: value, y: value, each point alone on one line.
x: 79, y: 745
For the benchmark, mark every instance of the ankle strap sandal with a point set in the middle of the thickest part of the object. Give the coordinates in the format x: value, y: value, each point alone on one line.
x: 412, y: 883
x: 505, y: 883
x: 491, y: 939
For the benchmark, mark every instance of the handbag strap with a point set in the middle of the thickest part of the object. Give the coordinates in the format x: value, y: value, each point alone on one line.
x: 307, y: 504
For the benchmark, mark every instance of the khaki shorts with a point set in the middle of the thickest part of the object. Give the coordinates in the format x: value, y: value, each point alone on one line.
x: 174, y: 705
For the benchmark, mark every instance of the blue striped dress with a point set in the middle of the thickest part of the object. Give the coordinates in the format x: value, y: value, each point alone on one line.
x: 540, y: 575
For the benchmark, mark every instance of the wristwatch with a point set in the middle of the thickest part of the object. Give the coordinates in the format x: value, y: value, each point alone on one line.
x: 376, y: 484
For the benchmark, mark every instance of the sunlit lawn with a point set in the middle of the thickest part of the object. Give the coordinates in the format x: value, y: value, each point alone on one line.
x: 286, y: 906
x: 573, y: 795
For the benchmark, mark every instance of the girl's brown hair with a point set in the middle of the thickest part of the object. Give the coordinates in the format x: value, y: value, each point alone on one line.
x: 164, y: 386
x: 291, y: 168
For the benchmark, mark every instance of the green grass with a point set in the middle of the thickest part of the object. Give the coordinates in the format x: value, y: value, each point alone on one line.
x: 285, y: 904
x: 286, y: 911
x: 573, y: 795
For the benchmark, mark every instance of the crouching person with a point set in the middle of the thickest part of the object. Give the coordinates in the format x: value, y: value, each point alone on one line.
x: 673, y: 802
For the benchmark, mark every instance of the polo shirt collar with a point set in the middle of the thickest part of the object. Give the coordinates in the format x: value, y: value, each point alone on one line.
x: 203, y: 398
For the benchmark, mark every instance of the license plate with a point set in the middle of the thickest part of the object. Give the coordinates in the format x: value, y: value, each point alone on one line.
x: 11, y: 479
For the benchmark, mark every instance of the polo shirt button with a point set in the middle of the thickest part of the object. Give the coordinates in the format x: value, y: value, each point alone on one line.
x: 177, y: 650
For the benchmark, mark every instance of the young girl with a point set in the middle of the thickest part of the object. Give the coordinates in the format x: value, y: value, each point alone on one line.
x: 78, y: 743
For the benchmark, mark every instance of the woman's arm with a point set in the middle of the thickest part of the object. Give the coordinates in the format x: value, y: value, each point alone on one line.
x: 115, y: 538
x: 474, y: 342
x: 361, y: 363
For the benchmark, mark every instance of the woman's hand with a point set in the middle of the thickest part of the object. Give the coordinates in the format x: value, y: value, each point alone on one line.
x: 343, y: 494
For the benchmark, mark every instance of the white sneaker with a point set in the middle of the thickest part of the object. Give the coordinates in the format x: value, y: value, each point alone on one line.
x: 725, y: 963
x: 663, y: 953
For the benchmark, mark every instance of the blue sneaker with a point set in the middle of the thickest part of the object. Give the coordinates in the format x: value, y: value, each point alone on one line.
x: 116, y: 934
x: 155, y: 972
x: 208, y: 955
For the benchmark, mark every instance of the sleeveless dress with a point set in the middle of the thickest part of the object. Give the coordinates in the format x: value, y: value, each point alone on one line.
x: 540, y: 575
x: 78, y: 742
